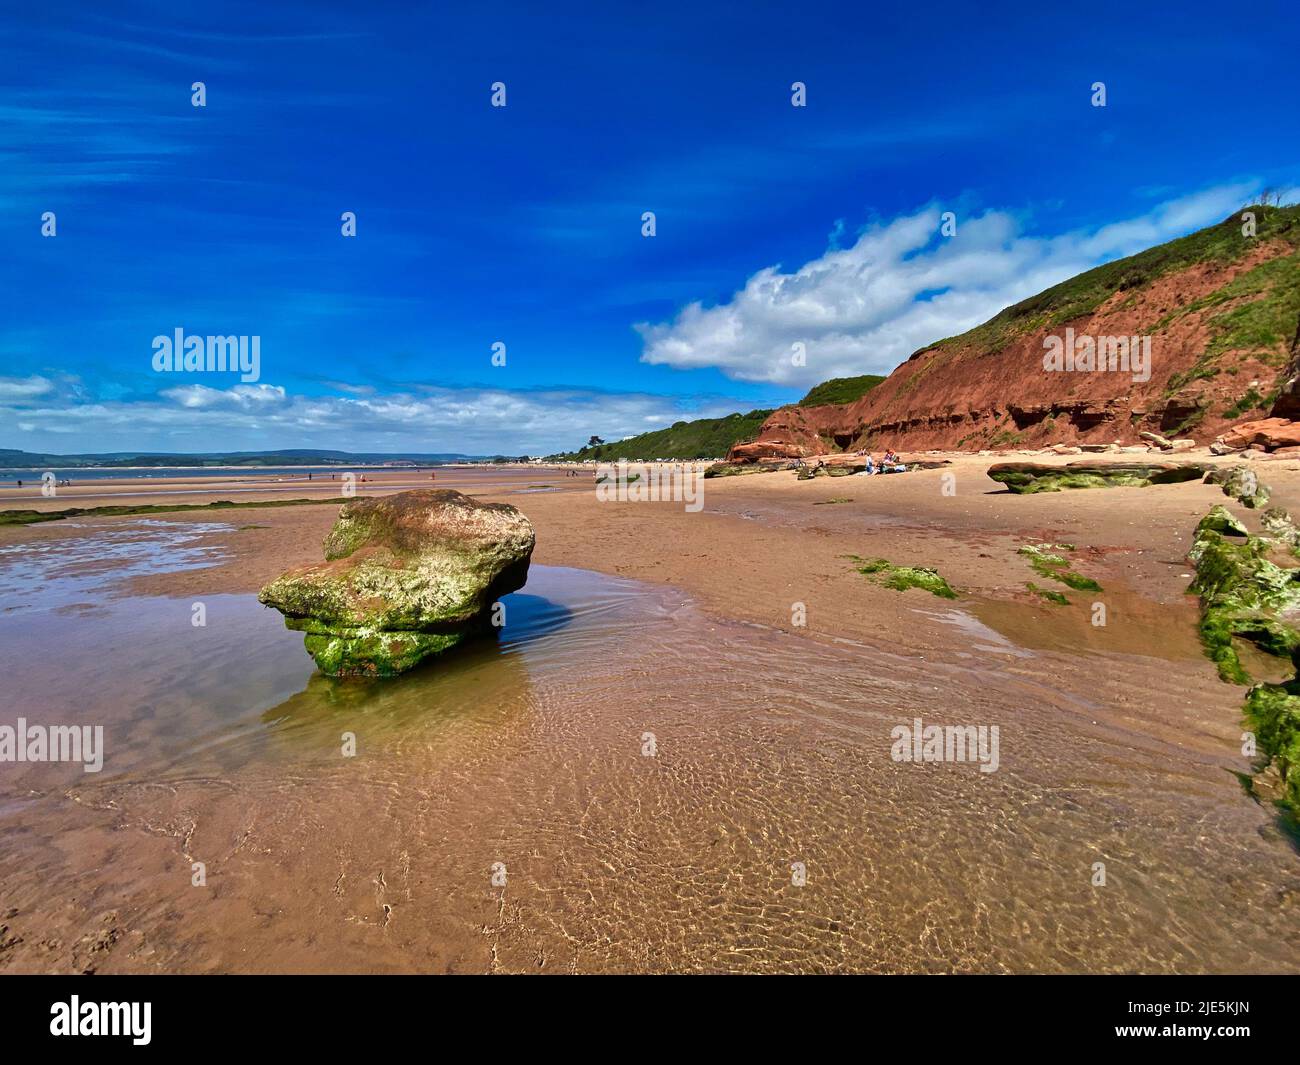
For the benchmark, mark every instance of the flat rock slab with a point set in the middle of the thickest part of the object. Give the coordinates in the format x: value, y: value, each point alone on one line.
x: 1025, y: 478
x: 737, y: 469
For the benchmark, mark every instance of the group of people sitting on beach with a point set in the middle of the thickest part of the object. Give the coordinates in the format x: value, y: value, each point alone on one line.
x: 889, y: 463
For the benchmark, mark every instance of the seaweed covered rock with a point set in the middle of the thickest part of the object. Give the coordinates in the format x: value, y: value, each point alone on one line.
x: 1278, y: 524
x: 1026, y: 478
x: 807, y: 473
x: 406, y: 576
x: 735, y: 469
x: 1220, y: 520
x: 1241, y: 483
x: 1244, y: 594
x: 1273, y: 712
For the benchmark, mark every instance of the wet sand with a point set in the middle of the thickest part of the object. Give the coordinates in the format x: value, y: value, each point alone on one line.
x: 772, y: 747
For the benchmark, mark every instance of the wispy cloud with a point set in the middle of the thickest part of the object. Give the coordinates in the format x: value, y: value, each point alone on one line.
x: 18, y: 389
x: 244, y: 397
x: 197, y: 417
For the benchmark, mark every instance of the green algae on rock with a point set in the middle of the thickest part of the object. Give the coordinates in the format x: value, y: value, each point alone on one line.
x: 1273, y: 712
x: 734, y: 469
x: 900, y: 578
x: 1028, y: 478
x: 1220, y: 520
x: 807, y: 473
x: 1278, y: 524
x: 33, y: 517
x: 1241, y: 483
x: 1246, y: 595
x: 406, y: 576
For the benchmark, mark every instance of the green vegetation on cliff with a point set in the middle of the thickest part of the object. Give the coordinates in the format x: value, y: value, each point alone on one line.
x: 704, y: 438
x: 840, y: 390
x: 1272, y: 286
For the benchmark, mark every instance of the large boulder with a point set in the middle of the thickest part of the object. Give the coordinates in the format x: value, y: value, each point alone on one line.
x: 759, y: 450
x: 1270, y: 433
x: 406, y: 576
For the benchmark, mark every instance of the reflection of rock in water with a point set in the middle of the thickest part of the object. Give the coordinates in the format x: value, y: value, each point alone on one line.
x: 486, y: 684
x: 483, y: 685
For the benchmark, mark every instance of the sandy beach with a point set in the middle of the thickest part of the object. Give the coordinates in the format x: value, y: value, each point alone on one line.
x: 1119, y: 745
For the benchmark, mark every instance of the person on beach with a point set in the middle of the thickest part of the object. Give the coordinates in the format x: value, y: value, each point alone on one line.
x: 871, y: 464
x: 891, y: 463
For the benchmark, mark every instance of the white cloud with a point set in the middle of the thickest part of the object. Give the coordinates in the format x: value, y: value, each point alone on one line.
x: 245, y: 396
x: 900, y: 287
x: 18, y: 389
x: 467, y: 420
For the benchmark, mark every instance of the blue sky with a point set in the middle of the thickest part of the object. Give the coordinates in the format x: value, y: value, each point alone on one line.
x: 775, y: 224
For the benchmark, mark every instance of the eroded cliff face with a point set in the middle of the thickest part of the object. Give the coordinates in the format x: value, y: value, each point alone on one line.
x: 1224, y: 343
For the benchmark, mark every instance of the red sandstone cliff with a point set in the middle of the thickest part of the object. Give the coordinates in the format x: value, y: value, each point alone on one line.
x: 1223, y: 315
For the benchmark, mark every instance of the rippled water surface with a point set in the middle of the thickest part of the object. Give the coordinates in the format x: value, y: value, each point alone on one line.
x: 615, y: 783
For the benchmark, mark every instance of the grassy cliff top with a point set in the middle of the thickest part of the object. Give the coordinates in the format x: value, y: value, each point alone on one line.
x: 1084, y: 293
x: 841, y: 390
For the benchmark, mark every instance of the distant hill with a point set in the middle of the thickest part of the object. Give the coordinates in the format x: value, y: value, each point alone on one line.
x: 841, y: 390
x: 704, y: 438
x: 1221, y: 311
x: 12, y: 459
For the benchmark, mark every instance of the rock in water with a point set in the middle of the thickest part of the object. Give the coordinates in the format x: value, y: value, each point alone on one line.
x: 406, y: 576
